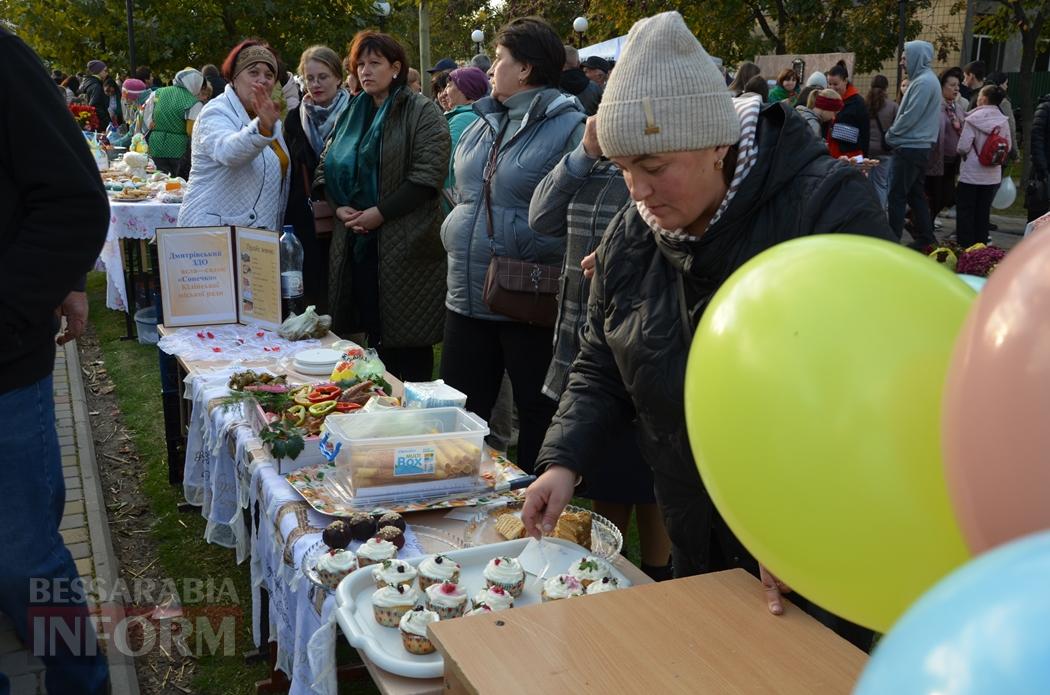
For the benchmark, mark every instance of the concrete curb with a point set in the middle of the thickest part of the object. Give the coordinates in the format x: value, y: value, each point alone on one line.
x: 123, y: 679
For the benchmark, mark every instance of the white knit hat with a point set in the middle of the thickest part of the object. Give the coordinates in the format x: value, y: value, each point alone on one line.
x: 817, y: 79
x: 665, y: 94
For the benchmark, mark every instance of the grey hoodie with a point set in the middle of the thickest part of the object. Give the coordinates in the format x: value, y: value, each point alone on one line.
x: 918, y: 121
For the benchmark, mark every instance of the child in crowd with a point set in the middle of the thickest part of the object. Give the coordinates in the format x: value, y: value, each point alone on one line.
x: 786, y: 87
x: 978, y: 181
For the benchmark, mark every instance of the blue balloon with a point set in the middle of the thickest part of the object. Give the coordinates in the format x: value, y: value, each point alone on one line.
x: 985, y: 628
x: 974, y: 281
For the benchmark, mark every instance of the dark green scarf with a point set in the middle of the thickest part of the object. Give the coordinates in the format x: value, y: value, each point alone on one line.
x: 352, y: 163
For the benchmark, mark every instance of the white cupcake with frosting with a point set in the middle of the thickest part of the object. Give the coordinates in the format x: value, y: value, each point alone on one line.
x: 560, y: 587
x: 333, y: 565
x: 589, y: 570
x: 413, y: 626
x: 448, y: 600
x: 437, y: 569
x: 393, y: 601
x: 605, y: 584
x: 495, y: 597
x: 505, y: 572
x: 393, y: 573
x: 374, y: 551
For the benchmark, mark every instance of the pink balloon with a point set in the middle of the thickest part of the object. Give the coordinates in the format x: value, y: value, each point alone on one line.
x: 996, y: 418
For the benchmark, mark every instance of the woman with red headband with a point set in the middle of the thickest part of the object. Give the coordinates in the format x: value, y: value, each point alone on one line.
x: 239, y: 161
x: 820, y: 109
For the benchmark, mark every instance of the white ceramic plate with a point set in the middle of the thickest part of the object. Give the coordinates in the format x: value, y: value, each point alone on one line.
x: 318, y: 356
x: 313, y: 369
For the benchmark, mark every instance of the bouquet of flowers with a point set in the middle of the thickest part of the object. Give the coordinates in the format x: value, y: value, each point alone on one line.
x: 85, y: 116
x: 979, y: 260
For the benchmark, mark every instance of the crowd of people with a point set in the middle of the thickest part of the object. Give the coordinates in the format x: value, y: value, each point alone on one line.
x: 559, y: 225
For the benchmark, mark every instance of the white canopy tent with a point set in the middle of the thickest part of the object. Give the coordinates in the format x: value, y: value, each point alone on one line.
x: 610, y: 50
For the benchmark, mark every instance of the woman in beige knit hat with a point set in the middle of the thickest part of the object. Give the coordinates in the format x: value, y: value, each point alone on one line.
x: 714, y: 181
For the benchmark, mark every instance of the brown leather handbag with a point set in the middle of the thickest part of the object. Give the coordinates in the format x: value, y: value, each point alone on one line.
x: 525, y: 291
x: 324, y: 215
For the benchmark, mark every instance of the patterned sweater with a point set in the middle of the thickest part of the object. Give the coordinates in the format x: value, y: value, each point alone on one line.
x: 577, y: 199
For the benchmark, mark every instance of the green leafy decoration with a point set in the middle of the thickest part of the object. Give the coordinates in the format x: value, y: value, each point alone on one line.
x: 284, y: 440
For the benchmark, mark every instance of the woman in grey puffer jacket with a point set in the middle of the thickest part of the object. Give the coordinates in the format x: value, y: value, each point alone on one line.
x: 522, y: 131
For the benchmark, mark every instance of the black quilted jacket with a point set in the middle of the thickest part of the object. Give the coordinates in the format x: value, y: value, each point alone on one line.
x: 647, y: 296
x: 412, y: 261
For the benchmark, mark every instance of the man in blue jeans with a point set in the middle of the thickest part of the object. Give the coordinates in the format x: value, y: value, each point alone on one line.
x: 53, y: 220
x: 913, y: 134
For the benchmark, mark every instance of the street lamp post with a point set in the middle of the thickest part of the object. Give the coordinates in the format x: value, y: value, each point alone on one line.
x: 478, y: 37
x: 131, y: 38
x: 382, y: 9
x: 579, y: 25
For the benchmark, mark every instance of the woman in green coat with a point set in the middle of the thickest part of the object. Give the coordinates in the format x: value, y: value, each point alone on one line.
x: 175, y: 108
x: 382, y: 172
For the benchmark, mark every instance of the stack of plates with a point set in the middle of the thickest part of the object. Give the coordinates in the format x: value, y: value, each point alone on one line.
x: 316, y: 362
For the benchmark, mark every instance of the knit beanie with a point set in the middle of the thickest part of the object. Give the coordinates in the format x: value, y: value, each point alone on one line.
x: 471, y: 81
x: 665, y: 95
x: 96, y: 66
x: 817, y: 79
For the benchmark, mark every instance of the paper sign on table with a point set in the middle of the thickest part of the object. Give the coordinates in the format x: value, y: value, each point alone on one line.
x: 259, y: 276
x: 216, y: 275
x: 196, y: 275
x: 534, y: 558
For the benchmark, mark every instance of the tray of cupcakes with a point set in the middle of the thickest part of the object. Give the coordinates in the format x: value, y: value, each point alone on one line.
x: 385, y: 611
x: 369, y: 539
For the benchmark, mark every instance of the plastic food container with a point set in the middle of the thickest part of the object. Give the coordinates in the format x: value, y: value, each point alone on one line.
x: 396, y: 454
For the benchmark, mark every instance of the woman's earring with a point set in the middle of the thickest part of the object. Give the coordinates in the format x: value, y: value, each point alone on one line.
x: 395, y: 75
x: 719, y: 164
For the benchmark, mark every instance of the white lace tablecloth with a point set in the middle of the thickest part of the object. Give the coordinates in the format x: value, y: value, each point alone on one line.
x: 130, y: 221
x: 223, y: 480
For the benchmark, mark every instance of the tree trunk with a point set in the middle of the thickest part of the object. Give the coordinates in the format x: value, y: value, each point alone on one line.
x: 1028, y: 100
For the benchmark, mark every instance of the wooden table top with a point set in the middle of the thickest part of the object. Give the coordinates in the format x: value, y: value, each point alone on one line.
x: 705, y: 634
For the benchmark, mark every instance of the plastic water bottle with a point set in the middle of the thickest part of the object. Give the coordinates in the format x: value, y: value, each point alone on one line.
x: 291, y: 273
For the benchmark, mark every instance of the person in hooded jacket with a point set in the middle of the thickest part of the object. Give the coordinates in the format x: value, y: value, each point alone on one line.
x: 94, y: 92
x: 523, y: 129
x: 574, y: 81
x: 715, y: 181
x: 851, y: 131
x: 977, y: 182
x: 913, y: 134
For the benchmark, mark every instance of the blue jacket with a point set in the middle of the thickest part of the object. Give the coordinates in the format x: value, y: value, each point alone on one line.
x: 551, y: 125
x: 918, y: 121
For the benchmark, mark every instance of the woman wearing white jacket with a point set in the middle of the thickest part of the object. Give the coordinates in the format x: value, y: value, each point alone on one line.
x: 239, y: 159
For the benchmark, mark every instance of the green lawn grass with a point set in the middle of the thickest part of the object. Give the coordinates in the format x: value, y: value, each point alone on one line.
x: 183, y: 552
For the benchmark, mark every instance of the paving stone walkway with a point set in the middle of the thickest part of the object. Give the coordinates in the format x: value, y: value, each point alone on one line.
x: 84, y: 528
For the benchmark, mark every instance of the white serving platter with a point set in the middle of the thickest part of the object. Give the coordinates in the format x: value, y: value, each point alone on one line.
x: 383, y: 644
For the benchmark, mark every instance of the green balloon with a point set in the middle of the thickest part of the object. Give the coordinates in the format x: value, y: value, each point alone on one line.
x: 813, y: 402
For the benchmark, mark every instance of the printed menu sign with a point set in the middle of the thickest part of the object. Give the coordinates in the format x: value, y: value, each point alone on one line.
x: 216, y: 275
x: 196, y: 275
x: 259, y: 271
